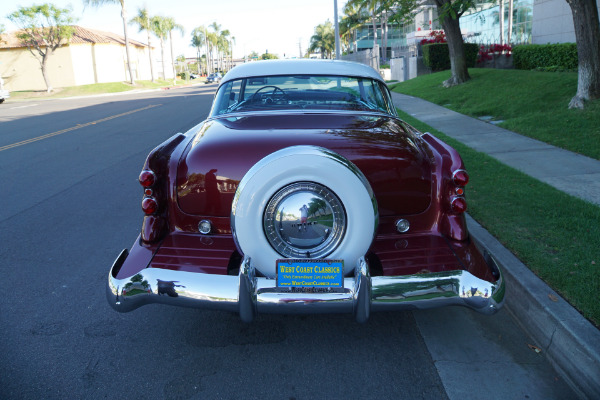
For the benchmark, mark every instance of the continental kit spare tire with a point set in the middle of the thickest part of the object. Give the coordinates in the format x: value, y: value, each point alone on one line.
x: 303, y: 202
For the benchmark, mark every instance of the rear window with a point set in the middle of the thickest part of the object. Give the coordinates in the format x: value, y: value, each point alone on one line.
x: 302, y: 92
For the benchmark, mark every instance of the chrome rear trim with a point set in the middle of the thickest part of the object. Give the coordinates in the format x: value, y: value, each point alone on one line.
x: 249, y: 295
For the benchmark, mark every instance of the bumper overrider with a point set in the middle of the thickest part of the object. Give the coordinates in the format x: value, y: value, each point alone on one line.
x: 248, y: 294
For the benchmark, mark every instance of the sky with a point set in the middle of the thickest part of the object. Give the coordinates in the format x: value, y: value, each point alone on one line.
x: 278, y: 26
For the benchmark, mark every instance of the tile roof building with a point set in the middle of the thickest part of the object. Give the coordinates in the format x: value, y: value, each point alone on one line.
x: 91, y: 56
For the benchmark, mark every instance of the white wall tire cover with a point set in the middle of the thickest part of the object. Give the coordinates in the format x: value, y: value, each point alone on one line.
x: 303, y: 164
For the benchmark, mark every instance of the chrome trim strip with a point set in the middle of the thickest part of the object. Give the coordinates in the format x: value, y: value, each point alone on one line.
x: 249, y: 295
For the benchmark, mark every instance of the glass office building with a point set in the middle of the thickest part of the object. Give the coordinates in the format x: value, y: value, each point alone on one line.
x: 479, y: 25
x: 482, y: 24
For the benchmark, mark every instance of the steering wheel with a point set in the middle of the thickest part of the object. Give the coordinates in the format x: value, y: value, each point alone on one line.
x: 270, y: 96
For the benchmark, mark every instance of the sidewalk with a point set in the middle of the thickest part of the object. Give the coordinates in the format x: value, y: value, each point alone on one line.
x: 571, y: 173
x: 569, y: 341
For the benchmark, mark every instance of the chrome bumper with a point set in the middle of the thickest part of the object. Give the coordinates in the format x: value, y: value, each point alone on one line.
x: 248, y: 295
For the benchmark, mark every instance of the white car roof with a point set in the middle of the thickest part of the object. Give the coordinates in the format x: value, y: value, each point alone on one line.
x: 301, y: 67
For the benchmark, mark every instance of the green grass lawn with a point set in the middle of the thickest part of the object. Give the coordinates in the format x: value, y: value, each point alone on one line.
x: 531, y: 103
x: 97, y: 88
x: 556, y: 235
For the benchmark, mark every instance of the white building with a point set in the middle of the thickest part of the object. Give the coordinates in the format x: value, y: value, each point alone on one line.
x: 90, y: 57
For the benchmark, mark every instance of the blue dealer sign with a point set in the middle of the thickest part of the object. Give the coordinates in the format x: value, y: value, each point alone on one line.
x: 310, y: 273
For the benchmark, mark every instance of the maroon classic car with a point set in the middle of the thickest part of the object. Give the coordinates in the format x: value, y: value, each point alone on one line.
x: 303, y: 192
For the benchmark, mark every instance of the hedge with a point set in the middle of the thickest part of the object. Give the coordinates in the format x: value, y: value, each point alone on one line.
x: 546, y: 56
x: 436, y: 55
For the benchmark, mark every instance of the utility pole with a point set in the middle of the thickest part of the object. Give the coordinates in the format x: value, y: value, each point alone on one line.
x: 300, y: 47
x: 337, y: 30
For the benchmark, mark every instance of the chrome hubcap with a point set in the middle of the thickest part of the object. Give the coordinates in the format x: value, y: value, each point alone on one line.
x: 304, y: 220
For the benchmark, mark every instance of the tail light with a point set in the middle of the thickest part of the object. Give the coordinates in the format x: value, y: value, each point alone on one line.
x: 147, y: 178
x: 458, y: 204
x: 149, y: 205
x: 154, y: 179
x: 460, y: 177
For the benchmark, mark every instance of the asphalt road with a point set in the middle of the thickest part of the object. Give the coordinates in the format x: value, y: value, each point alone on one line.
x: 70, y: 202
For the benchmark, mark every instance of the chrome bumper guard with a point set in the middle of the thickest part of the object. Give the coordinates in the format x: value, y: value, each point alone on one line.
x: 248, y: 295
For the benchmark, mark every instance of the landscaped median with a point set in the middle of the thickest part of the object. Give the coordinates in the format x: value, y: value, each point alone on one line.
x: 556, y: 235
x: 98, y: 88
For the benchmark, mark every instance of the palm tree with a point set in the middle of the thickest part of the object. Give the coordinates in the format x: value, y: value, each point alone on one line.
x: 143, y: 22
x: 224, y: 44
x: 198, y: 40
x: 97, y: 3
x: 349, y: 24
x: 159, y: 28
x: 170, y: 26
x: 323, y: 40
x: 213, y: 38
x: 371, y: 7
x: 231, y: 53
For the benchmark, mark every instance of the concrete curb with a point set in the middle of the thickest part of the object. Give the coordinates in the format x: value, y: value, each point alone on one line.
x: 568, y: 340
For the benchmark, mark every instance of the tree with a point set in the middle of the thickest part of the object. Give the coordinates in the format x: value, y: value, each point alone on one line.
x: 269, y: 56
x: 159, y: 28
x: 449, y: 12
x: 198, y: 40
x: 224, y: 46
x: 371, y: 7
x: 143, y: 22
x: 181, y: 62
x: 323, y: 40
x: 213, y: 40
x: 349, y: 24
x: 170, y: 26
x: 44, y: 28
x: 97, y: 3
x: 587, y: 35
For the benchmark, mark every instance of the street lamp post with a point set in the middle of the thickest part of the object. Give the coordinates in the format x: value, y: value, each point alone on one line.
x: 337, y: 30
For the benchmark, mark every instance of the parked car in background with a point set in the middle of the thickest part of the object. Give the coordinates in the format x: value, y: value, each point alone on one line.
x: 214, y: 78
x: 304, y: 192
x: 4, y: 94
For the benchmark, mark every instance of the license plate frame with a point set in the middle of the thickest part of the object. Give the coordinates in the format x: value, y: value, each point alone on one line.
x: 310, y: 275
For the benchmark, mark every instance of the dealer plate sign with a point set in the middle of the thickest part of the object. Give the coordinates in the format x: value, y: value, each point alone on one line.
x: 306, y: 273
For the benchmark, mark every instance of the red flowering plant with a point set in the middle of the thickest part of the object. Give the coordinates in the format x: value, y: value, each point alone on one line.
x: 488, y: 52
x: 435, y: 37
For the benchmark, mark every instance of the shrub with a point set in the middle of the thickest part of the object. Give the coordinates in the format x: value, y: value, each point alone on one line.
x: 437, y: 57
x: 560, y: 56
x: 435, y: 37
x: 488, y: 52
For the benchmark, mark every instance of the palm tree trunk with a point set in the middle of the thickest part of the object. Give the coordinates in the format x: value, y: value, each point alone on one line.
x: 124, y: 16
x: 206, y: 45
x: 162, y: 56
x: 150, y: 50
x: 172, y: 58
x: 150, y: 56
